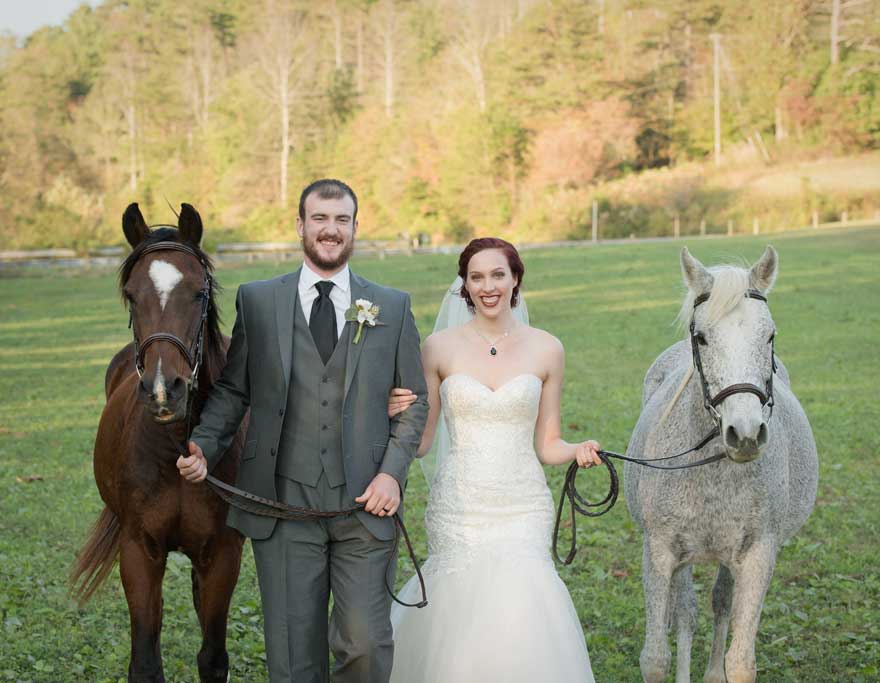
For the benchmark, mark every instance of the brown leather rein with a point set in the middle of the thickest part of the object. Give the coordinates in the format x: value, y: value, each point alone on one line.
x: 266, y: 507
x: 232, y: 495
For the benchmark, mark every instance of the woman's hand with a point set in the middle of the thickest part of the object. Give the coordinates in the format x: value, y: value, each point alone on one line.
x: 587, y: 454
x: 399, y: 400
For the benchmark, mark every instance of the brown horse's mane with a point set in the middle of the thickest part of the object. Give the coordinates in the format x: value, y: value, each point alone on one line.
x: 214, y: 352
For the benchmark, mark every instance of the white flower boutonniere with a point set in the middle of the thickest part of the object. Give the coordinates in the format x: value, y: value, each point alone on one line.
x: 363, y: 312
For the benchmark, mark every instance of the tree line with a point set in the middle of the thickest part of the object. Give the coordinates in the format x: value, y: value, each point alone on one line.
x: 448, y: 117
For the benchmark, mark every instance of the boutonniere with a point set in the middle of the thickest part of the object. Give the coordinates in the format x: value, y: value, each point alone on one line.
x: 363, y: 312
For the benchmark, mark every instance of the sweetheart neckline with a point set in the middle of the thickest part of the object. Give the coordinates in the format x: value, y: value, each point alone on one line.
x: 486, y: 386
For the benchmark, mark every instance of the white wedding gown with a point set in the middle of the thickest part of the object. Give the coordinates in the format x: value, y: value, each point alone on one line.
x: 497, y: 609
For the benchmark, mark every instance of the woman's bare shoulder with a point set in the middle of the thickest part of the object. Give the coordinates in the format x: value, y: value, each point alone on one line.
x: 543, y: 341
x: 438, y: 346
x: 442, y: 337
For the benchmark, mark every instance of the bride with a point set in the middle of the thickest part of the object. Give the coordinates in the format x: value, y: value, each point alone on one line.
x: 498, y: 610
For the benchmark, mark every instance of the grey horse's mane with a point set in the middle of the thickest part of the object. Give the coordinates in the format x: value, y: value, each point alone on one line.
x: 729, y: 285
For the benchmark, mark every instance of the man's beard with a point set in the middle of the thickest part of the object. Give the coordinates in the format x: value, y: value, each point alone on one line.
x: 311, y: 250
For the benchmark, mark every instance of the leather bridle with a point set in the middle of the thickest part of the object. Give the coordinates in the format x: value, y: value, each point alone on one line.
x: 710, y: 402
x: 192, y: 353
x: 579, y: 504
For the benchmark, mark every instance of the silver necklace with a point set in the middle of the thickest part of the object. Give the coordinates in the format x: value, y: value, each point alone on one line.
x: 492, y: 344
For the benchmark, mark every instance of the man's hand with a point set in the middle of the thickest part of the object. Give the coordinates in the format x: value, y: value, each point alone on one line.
x: 399, y: 400
x: 587, y: 454
x: 195, y: 467
x: 382, y: 497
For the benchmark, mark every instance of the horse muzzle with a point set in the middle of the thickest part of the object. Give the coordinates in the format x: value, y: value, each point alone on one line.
x: 166, y: 404
x: 744, y: 446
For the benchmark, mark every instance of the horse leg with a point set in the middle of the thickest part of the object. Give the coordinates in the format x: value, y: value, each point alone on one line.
x: 142, y: 570
x: 214, y: 576
x: 684, y: 620
x: 657, y: 566
x: 752, y: 574
x: 722, y: 595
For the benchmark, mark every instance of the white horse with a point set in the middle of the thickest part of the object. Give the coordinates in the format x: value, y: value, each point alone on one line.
x: 737, y: 511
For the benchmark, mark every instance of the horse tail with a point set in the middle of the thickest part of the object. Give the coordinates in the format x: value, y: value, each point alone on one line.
x: 97, y: 557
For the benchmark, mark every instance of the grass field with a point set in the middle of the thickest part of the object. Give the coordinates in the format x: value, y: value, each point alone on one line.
x: 612, y: 306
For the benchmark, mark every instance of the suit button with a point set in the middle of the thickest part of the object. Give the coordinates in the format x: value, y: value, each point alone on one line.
x: 272, y: 452
x: 324, y: 403
x: 280, y: 412
x: 323, y: 428
x: 324, y: 380
x: 323, y: 451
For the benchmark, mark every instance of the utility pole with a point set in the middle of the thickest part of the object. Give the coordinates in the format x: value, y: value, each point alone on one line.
x: 835, y: 31
x: 716, y: 44
x: 595, y: 221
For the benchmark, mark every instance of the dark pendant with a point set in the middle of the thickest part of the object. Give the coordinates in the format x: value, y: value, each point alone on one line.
x: 493, y: 351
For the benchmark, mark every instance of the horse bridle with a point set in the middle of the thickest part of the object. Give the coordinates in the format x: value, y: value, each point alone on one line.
x: 710, y: 402
x: 579, y: 504
x: 193, y: 353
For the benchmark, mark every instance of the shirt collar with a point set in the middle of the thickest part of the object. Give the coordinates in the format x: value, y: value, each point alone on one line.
x: 309, y: 277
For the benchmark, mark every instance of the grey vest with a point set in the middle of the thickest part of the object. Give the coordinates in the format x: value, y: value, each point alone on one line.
x: 311, y: 437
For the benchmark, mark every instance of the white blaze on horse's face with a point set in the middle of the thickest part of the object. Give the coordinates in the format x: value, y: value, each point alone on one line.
x: 734, y: 334
x: 159, y: 384
x: 165, y: 278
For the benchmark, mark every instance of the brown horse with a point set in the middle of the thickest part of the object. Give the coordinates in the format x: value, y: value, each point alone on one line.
x: 155, y: 388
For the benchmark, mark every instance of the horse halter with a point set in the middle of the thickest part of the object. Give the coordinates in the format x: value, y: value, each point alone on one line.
x: 193, y: 353
x: 710, y: 402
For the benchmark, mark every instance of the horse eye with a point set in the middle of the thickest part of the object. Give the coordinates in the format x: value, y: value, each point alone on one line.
x: 701, y: 339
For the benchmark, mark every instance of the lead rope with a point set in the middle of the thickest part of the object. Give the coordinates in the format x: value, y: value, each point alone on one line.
x: 579, y: 504
x: 267, y: 507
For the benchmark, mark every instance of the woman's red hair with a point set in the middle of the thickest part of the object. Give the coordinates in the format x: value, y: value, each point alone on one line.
x: 513, y: 261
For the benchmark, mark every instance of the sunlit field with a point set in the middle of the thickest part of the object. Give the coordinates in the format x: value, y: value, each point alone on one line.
x: 613, y: 307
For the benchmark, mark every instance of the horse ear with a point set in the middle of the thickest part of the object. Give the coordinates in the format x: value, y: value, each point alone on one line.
x: 762, y: 275
x: 133, y: 225
x: 696, y: 277
x: 190, y: 224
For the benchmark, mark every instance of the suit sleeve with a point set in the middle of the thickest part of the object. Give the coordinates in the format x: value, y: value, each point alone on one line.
x: 406, y: 428
x: 229, y: 398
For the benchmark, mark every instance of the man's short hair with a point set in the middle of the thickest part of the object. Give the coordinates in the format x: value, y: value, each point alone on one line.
x: 327, y: 188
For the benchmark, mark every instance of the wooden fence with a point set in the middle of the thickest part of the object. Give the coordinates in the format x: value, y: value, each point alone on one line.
x: 250, y: 252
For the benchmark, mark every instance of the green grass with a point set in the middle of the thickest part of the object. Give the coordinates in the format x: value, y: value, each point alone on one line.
x: 612, y: 306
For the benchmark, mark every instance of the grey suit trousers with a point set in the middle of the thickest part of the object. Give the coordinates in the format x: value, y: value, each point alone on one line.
x: 299, y: 566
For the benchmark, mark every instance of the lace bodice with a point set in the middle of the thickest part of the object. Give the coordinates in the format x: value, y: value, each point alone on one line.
x: 490, y: 494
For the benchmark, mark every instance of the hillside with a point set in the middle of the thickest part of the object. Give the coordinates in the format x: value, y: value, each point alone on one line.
x: 448, y: 117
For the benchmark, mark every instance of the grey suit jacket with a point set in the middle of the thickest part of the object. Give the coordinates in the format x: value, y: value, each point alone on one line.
x: 257, y: 374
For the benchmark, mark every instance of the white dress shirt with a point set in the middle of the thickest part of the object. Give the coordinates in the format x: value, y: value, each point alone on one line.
x: 340, y: 295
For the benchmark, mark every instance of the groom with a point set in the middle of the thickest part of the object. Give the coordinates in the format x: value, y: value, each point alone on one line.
x: 319, y: 437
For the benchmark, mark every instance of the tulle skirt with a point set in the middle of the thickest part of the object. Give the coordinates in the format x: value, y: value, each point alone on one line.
x: 500, y: 618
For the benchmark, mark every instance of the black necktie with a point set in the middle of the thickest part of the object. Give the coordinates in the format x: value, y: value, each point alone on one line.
x: 322, y: 321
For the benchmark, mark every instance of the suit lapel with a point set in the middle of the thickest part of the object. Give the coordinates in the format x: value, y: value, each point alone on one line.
x: 286, y: 301
x: 360, y: 289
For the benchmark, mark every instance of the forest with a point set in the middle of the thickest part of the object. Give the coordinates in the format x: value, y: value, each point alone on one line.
x: 449, y: 118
